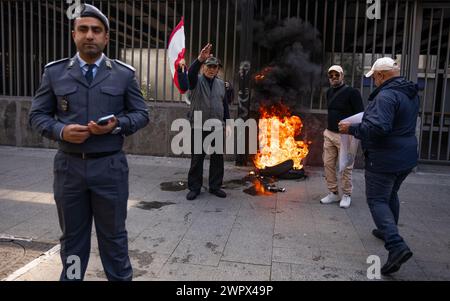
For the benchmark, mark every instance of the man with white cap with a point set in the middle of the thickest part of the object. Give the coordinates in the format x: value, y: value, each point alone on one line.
x: 343, y: 101
x: 387, y: 134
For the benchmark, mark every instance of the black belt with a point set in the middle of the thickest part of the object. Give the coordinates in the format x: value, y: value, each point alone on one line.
x: 86, y: 156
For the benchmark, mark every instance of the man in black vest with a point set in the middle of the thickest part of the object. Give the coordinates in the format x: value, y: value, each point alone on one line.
x: 209, y: 96
x: 343, y: 101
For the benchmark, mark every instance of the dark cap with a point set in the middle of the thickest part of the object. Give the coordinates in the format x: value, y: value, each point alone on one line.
x: 213, y: 61
x: 88, y: 10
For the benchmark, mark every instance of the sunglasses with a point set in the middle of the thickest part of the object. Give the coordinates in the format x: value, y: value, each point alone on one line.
x: 332, y: 75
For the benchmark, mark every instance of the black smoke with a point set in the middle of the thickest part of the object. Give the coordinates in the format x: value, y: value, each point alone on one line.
x: 293, y: 50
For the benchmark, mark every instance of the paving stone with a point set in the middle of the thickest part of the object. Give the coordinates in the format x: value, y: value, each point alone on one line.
x: 436, y: 271
x: 235, y: 271
x: 303, y: 272
x: 286, y: 236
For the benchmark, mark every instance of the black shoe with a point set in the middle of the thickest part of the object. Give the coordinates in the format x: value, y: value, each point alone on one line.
x: 395, y: 260
x: 192, y: 195
x: 378, y: 234
x: 219, y: 193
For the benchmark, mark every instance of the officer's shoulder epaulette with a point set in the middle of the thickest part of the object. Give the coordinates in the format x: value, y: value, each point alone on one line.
x: 125, y: 65
x: 56, y: 62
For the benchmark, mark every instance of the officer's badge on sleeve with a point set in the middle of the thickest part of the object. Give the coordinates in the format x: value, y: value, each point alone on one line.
x: 64, y: 105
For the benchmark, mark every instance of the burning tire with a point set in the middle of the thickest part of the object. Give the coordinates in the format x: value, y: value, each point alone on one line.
x: 277, y: 170
x: 293, y: 174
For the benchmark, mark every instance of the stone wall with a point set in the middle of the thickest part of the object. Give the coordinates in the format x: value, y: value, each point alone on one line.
x: 15, y: 130
x: 155, y: 139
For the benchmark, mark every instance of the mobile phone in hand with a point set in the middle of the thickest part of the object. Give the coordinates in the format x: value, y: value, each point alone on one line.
x: 104, y: 120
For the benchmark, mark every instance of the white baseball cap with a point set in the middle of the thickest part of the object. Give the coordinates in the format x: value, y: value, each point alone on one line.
x: 336, y: 68
x: 384, y: 63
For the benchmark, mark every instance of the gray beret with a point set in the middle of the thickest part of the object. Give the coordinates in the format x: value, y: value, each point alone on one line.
x: 88, y: 10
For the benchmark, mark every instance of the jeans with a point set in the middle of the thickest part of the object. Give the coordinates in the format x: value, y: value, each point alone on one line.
x: 382, y: 198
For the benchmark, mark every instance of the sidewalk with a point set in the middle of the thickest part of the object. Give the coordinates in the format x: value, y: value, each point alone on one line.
x: 285, y: 236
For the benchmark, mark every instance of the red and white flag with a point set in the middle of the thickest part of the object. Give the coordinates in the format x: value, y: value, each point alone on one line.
x: 176, y: 50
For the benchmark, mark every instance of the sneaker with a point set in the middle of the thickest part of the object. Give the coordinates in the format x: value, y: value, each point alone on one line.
x: 219, y: 193
x: 192, y: 195
x: 345, y: 201
x: 330, y: 198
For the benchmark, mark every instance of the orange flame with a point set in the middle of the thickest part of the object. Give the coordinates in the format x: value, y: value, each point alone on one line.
x: 260, y: 189
x: 261, y: 76
x: 276, y: 137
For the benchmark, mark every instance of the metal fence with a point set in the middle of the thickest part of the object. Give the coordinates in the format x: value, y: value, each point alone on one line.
x: 36, y: 32
x: 349, y: 38
x: 433, y: 75
x: 414, y: 32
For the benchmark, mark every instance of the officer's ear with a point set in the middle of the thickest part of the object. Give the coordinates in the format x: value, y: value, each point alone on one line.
x: 107, y: 36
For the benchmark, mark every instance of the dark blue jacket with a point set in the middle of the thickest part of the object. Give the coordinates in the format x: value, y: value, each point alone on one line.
x: 387, y: 131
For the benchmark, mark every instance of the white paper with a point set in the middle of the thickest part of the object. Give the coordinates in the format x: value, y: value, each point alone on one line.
x: 349, y: 144
x: 357, y: 118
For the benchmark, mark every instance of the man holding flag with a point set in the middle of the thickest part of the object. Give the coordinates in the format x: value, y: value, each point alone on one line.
x: 209, y: 95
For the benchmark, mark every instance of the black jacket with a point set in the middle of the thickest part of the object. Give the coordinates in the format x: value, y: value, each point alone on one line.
x: 347, y: 103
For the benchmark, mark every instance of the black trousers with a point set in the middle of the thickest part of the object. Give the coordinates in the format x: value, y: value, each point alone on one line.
x: 216, y: 169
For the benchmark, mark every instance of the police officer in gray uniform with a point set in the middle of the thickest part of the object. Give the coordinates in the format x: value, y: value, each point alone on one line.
x: 90, y: 169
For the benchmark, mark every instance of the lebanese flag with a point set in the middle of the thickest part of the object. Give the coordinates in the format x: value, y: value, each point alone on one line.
x: 176, y: 51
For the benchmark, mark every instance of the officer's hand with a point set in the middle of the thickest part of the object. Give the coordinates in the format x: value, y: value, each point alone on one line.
x: 344, y: 127
x: 96, y: 129
x: 75, y: 133
x: 205, y: 53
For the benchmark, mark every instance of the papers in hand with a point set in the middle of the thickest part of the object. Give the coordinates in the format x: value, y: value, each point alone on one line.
x: 349, y: 144
x: 357, y: 118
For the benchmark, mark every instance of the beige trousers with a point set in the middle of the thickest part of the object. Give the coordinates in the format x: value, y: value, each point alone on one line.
x: 331, y: 145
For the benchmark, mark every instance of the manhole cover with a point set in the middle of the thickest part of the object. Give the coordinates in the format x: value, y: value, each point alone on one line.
x: 15, y: 254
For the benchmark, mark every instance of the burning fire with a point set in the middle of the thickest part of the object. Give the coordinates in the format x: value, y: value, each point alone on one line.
x: 261, y: 76
x: 276, y: 137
